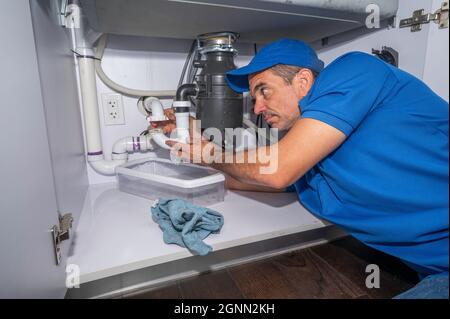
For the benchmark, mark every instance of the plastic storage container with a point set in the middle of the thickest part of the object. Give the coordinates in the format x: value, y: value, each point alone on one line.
x: 155, y: 177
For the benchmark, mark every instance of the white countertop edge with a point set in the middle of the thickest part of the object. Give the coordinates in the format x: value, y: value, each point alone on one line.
x: 88, y: 277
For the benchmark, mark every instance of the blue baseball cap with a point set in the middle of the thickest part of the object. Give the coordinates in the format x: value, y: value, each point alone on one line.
x: 284, y: 51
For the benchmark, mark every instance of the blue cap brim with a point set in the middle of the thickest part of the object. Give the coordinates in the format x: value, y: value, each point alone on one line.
x: 238, y: 79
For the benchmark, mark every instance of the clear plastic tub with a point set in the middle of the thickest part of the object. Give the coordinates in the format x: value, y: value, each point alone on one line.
x: 153, y: 178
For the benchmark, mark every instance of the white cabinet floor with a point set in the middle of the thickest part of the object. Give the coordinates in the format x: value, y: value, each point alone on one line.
x: 116, y: 233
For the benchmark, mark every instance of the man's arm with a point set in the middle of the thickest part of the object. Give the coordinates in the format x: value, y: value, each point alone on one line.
x: 232, y: 183
x: 306, y: 144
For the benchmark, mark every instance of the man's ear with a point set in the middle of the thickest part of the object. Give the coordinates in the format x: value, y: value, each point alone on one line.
x: 302, y: 82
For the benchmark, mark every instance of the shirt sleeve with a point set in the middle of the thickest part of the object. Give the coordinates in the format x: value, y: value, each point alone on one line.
x: 348, y: 90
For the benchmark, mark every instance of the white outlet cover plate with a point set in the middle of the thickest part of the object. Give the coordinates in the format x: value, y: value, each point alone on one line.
x: 113, y: 109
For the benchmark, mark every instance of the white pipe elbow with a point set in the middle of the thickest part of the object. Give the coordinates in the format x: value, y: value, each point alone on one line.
x: 154, y: 105
x: 105, y: 167
x: 120, y: 148
x: 160, y: 139
x: 119, y: 154
x: 178, y: 135
x: 181, y: 132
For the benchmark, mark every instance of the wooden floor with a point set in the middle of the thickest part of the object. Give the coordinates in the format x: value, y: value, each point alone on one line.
x: 335, y: 270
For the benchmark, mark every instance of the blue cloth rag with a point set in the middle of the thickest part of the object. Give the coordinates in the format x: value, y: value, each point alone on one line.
x: 186, y: 224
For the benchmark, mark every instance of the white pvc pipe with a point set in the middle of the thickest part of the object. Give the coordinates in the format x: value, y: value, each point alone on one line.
x: 117, y: 87
x: 94, y: 147
x: 160, y: 139
x: 120, y: 152
x: 90, y: 109
x: 88, y: 88
x: 120, y: 148
x: 105, y: 167
x: 155, y: 106
x: 95, y: 154
x: 181, y: 132
x: 178, y: 135
x: 130, y: 144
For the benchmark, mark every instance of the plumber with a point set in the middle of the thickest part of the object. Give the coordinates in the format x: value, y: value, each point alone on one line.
x: 366, y: 148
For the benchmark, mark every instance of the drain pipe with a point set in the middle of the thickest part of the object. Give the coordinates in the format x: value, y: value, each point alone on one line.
x: 88, y: 62
x: 154, y: 106
x: 181, y: 108
x: 88, y: 89
x: 95, y: 154
x: 100, y: 49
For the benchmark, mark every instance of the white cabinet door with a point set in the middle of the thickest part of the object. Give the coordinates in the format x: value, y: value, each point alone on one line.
x: 437, y: 58
x: 28, y: 206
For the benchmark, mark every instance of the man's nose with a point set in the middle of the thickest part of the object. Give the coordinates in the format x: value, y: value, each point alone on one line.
x: 259, y: 107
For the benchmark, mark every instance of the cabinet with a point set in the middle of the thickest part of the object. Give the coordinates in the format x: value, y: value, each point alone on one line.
x: 257, y: 21
x: 43, y: 170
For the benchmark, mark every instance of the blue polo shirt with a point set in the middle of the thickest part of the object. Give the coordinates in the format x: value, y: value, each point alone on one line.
x: 387, y: 184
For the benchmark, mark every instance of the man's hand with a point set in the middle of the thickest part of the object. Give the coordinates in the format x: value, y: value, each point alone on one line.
x: 198, y: 150
x: 306, y: 144
x: 167, y: 126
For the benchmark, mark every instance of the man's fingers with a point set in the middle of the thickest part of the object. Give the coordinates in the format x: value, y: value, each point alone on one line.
x: 179, y: 149
x: 170, y: 114
x: 171, y: 143
x: 169, y: 128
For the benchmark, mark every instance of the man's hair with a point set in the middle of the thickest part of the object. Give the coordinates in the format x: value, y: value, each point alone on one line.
x: 288, y: 72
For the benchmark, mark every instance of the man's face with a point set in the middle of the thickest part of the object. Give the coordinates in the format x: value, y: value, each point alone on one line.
x: 275, y: 99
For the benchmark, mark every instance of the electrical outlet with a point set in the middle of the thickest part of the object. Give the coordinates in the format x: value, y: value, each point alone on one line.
x: 113, y: 109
